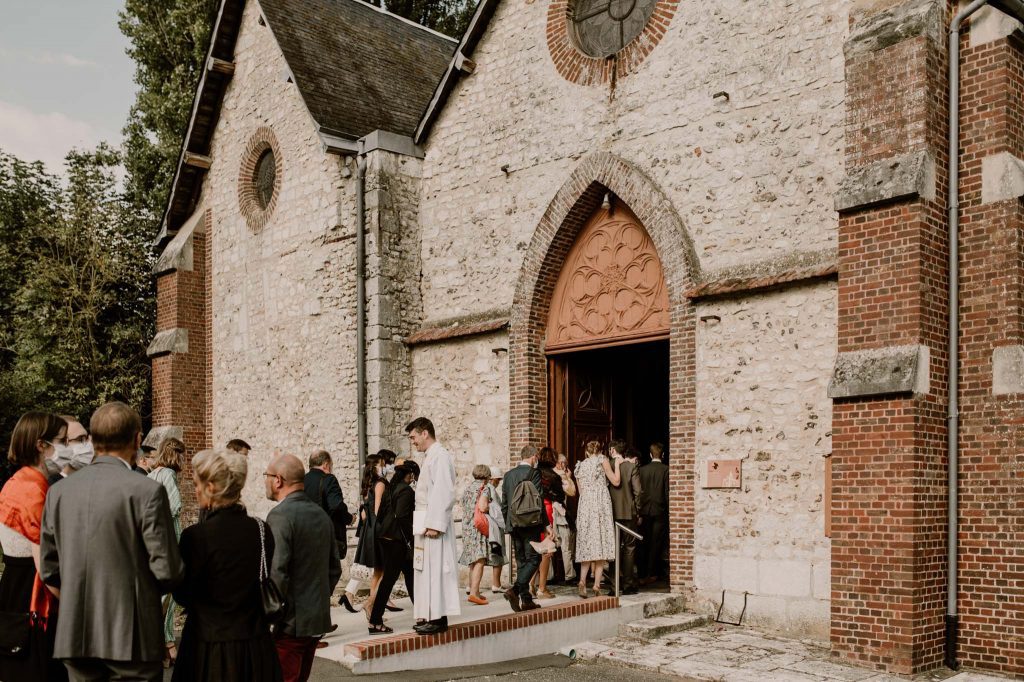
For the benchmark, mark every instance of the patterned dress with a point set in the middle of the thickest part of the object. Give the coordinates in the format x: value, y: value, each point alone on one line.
x: 474, y: 544
x: 595, y: 532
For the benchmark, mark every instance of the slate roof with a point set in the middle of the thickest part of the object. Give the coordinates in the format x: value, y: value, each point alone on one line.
x: 359, y: 69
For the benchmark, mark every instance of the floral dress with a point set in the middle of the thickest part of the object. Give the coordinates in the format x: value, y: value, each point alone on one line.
x: 595, y: 532
x: 474, y: 545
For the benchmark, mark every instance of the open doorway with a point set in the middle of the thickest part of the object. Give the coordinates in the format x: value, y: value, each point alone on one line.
x: 618, y: 392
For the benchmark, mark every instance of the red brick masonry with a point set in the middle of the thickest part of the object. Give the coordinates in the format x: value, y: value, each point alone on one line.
x: 379, y: 647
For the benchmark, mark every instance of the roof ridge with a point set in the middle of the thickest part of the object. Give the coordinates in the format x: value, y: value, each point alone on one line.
x: 385, y: 12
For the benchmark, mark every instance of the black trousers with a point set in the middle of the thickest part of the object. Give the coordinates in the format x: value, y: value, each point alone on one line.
x: 627, y: 556
x: 527, y: 560
x: 396, y: 560
x: 655, y: 532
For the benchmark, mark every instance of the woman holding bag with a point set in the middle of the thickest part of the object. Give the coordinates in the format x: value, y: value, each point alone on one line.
x: 30, y: 610
x: 476, y: 503
x: 226, y: 634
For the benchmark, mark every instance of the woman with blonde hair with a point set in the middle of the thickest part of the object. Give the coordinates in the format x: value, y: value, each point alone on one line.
x: 475, y: 548
x: 595, y: 530
x: 226, y: 634
x: 167, y: 464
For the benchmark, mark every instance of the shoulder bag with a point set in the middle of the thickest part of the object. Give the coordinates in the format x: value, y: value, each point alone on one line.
x: 270, y: 596
x: 480, y: 515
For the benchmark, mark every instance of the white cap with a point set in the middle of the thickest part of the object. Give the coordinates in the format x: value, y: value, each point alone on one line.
x: 496, y: 472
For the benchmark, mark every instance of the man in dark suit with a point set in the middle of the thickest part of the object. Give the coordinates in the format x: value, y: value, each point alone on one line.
x: 322, y: 487
x: 107, y: 543
x: 626, y: 510
x: 527, y: 559
x: 305, y: 568
x: 654, y: 512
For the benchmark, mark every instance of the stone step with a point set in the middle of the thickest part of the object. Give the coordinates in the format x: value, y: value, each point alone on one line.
x: 659, y: 626
x: 664, y: 605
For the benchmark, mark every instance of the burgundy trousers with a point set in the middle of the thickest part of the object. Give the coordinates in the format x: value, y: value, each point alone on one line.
x: 296, y: 656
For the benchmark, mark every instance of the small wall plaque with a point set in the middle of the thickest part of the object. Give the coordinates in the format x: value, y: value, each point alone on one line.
x: 722, y: 473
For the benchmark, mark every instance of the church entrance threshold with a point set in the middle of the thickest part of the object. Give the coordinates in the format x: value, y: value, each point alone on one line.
x: 618, y: 392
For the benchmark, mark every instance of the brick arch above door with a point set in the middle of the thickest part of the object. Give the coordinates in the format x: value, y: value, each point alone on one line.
x: 579, y: 197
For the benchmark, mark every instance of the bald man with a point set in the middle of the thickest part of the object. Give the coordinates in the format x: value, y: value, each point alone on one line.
x: 305, y: 567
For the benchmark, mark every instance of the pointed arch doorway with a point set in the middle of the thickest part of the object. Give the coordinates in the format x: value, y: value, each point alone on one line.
x: 607, y: 339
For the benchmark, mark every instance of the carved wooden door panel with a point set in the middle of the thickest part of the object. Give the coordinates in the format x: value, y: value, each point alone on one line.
x: 589, y: 407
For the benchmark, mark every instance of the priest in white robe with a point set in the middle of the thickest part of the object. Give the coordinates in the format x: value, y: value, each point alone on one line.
x: 435, y: 565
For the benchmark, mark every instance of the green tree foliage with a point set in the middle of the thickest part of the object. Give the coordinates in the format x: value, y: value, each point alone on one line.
x: 169, y: 40
x: 450, y: 17
x: 78, y: 301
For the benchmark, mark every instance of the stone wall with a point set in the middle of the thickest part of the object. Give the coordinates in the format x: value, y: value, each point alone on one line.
x: 763, y: 365
x: 736, y: 116
x: 283, y: 294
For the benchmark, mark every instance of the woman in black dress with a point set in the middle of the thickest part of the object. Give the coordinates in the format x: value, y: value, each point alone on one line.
x: 226, y: 634
x: 371, y: 492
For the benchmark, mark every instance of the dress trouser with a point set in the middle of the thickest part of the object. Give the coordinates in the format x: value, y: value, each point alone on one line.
x: 296, y: 656
x: 100, y: 670
x: 567, y: 540
x: 396, y: 560
x: 627, y: 555
x: 527, y: 559
x: 654, y: 531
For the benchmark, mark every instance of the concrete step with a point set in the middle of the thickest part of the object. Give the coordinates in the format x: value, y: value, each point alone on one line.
x: 659, y: 626
x: 664, y: 605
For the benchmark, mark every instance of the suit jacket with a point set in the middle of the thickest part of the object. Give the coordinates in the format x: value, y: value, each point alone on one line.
x: 626, y: 496
x: 107, y: 541
x: 221, y: 589
x: 403, y: 500
x: 331, y: 498
x: 511, y: 481
x: 654, y: 480
x: 306, y: 566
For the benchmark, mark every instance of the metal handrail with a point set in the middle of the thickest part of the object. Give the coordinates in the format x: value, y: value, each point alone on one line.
x: 618, y: 528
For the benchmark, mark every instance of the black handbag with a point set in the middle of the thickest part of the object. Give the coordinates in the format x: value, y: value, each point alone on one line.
x: 16, y: 632
x: 270, y: 596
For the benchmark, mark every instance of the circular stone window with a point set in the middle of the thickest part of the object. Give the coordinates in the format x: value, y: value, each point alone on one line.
x: 259, y: 179
x: 604, y: 27
x: 596, y: 42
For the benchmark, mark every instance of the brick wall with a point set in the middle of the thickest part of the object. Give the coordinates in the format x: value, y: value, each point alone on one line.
x: 991, y: 537
x: 182, y: 381
x: 888, y: 463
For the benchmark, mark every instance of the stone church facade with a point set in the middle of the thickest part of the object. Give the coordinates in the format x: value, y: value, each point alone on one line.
x: 750, y: 197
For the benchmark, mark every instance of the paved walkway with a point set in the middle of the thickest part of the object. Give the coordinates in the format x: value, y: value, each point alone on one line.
x: 739, y: 654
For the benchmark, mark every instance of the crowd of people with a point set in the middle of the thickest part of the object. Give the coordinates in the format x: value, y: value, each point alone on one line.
x: 95, y: 557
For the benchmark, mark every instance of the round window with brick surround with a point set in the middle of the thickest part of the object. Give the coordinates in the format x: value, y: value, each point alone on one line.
x: 259, y: 178
x: 594, y: 42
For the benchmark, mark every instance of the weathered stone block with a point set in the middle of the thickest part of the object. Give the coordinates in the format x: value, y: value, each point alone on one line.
x: 1007, y: 370
x: 784, y: 578
x: 821, y: 576
x: 177, y: 255
x: 168, y: 341
x: 989, y: 24
x: 706, y: 574
x: 1002, y: 177
x: 877, y: 371
x: 899, y: 177
x: 739, y: 573
x: 158, y: 434
x: 894, y: 25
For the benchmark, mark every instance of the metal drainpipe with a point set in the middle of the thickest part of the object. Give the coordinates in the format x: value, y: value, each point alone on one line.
x: 1015, y: 9
x: 361, y: 305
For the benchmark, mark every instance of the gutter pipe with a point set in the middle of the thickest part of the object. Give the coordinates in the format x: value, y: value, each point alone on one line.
x: 361, y: 304
x: 1015, y: 9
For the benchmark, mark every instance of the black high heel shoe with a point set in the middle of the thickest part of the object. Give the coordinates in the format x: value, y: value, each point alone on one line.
x: 393, y: 609
x: 347, y: 604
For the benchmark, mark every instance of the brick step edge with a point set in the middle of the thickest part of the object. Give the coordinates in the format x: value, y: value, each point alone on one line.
x: 378, y: 647
x: 652, y: 628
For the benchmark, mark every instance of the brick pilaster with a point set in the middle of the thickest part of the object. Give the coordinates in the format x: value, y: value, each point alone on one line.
x: 182, y: 383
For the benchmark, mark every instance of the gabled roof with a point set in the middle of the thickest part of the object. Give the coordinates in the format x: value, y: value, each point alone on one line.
x: 358, y: 69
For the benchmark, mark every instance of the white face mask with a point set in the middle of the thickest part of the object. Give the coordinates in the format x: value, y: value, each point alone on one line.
x: 389, y: 470
x: 61, y: 454
x: 82, y: 454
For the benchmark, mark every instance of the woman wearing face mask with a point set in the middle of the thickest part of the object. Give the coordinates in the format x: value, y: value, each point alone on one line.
x: 165, y: 472
x: 21, y: 511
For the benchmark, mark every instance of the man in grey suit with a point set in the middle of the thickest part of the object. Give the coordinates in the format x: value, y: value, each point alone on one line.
x: 306, y: 567
x: 107, y: 543
x: 626, y: 500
